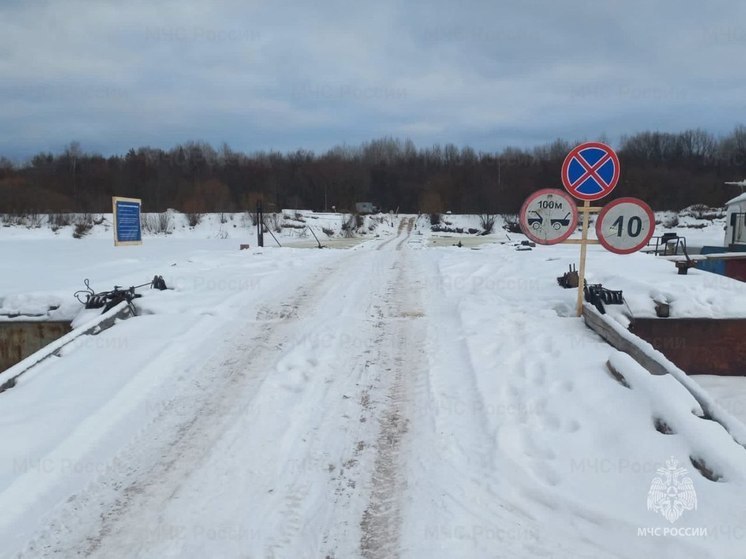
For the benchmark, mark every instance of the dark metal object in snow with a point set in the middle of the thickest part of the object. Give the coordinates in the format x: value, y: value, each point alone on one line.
x: 110, y: 299
x: 569, y: 279
x: 315, y: 237
x: 598, y: 296
x: 669, y: 244
x: 662, y: 310
x: 269, y: 230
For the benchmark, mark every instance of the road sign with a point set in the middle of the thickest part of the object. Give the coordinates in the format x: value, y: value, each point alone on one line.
x: 625, y: 225
x: 590, y: 171
x: 127, y: 221
x: 548, y: 216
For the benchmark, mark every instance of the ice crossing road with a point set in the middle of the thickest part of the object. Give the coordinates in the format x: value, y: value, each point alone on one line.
x: 381, y: 402
x: 291, y: 445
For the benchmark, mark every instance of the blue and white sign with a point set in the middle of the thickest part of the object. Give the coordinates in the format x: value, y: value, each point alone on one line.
x: 127, y: 230
x: 590, y: 171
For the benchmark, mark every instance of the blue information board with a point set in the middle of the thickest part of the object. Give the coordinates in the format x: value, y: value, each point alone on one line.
x: 127, y: 230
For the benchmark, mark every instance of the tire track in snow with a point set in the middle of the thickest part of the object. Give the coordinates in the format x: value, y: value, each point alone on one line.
x: 192, y: 440
x: 347, y: 487
x: 161, y: 470
x: 381, y: 523
x: 400, y: 230
x: 126, y: 511
x: 454, y: 457
x: 409, y: 225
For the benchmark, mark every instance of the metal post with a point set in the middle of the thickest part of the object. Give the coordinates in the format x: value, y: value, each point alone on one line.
x: 259, y: 224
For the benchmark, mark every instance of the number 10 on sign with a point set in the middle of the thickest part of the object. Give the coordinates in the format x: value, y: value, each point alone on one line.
x: 625, y: 225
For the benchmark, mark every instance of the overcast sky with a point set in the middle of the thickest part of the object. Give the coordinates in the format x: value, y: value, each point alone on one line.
x: 279, y: 75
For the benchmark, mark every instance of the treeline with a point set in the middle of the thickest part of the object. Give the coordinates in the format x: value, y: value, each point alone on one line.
x: 669, y: 171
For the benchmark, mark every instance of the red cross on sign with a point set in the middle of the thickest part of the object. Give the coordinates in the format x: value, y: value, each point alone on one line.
x: 590, y: 171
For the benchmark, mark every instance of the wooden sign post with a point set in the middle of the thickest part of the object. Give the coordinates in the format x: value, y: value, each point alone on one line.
x: 590, y: 172
x: 584, y: 241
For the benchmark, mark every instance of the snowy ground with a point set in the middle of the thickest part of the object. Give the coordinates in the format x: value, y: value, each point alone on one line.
x: 388, y: 400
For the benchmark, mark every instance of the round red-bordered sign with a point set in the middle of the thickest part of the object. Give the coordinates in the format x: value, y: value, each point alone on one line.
x: 590, y: 171
x: 548, y: 216
x: 625, y: 225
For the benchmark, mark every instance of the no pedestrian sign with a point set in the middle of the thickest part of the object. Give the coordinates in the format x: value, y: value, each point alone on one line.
x: 548, y: 216
x: 590, y: 171
x: 625, y: 225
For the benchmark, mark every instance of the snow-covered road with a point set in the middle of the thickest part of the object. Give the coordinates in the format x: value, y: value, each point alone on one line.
x: 382, y: 401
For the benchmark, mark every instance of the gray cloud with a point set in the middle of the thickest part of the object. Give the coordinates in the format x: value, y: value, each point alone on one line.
x: 281, y: 75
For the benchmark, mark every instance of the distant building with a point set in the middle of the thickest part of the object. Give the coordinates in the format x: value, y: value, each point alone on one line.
x: 365, y: 208
x: 735, y: 226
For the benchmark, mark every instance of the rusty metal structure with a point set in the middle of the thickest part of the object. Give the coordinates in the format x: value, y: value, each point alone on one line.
x: 697, y: 345
x: 18, y: 339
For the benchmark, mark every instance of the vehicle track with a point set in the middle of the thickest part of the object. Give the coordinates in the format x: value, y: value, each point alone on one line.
x: 403, y: 225
x: 409, y: 223
x: 340, y: 435
x: 161, y: 460
x: 381, y: 523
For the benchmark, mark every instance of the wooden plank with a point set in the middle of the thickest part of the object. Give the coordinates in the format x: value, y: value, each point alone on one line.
x: 627, y: 342
x: 583, y: 251
x: 681, y: 258
x: 580, y: 241
x: 726, y: 256
x: 595, y: 322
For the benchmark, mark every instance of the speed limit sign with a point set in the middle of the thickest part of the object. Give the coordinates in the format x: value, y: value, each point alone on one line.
x: 625, y: 225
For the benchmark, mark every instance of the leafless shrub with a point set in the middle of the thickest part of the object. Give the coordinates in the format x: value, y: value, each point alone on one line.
x: 511, y: 223
x: 59, y: 220
x: 34, y: 220
x: 165, y: 223
x: 273, y: 222
x: 12, y: 220
x: 194, y: 219
x: 348, y: 225
x: 248, y: 219
x: 83, y: 224
x: 487, y: 222
x: 157, y: 223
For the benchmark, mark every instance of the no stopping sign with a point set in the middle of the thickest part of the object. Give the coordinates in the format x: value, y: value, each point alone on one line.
x: 590, y: 171
x: 625, y: 225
